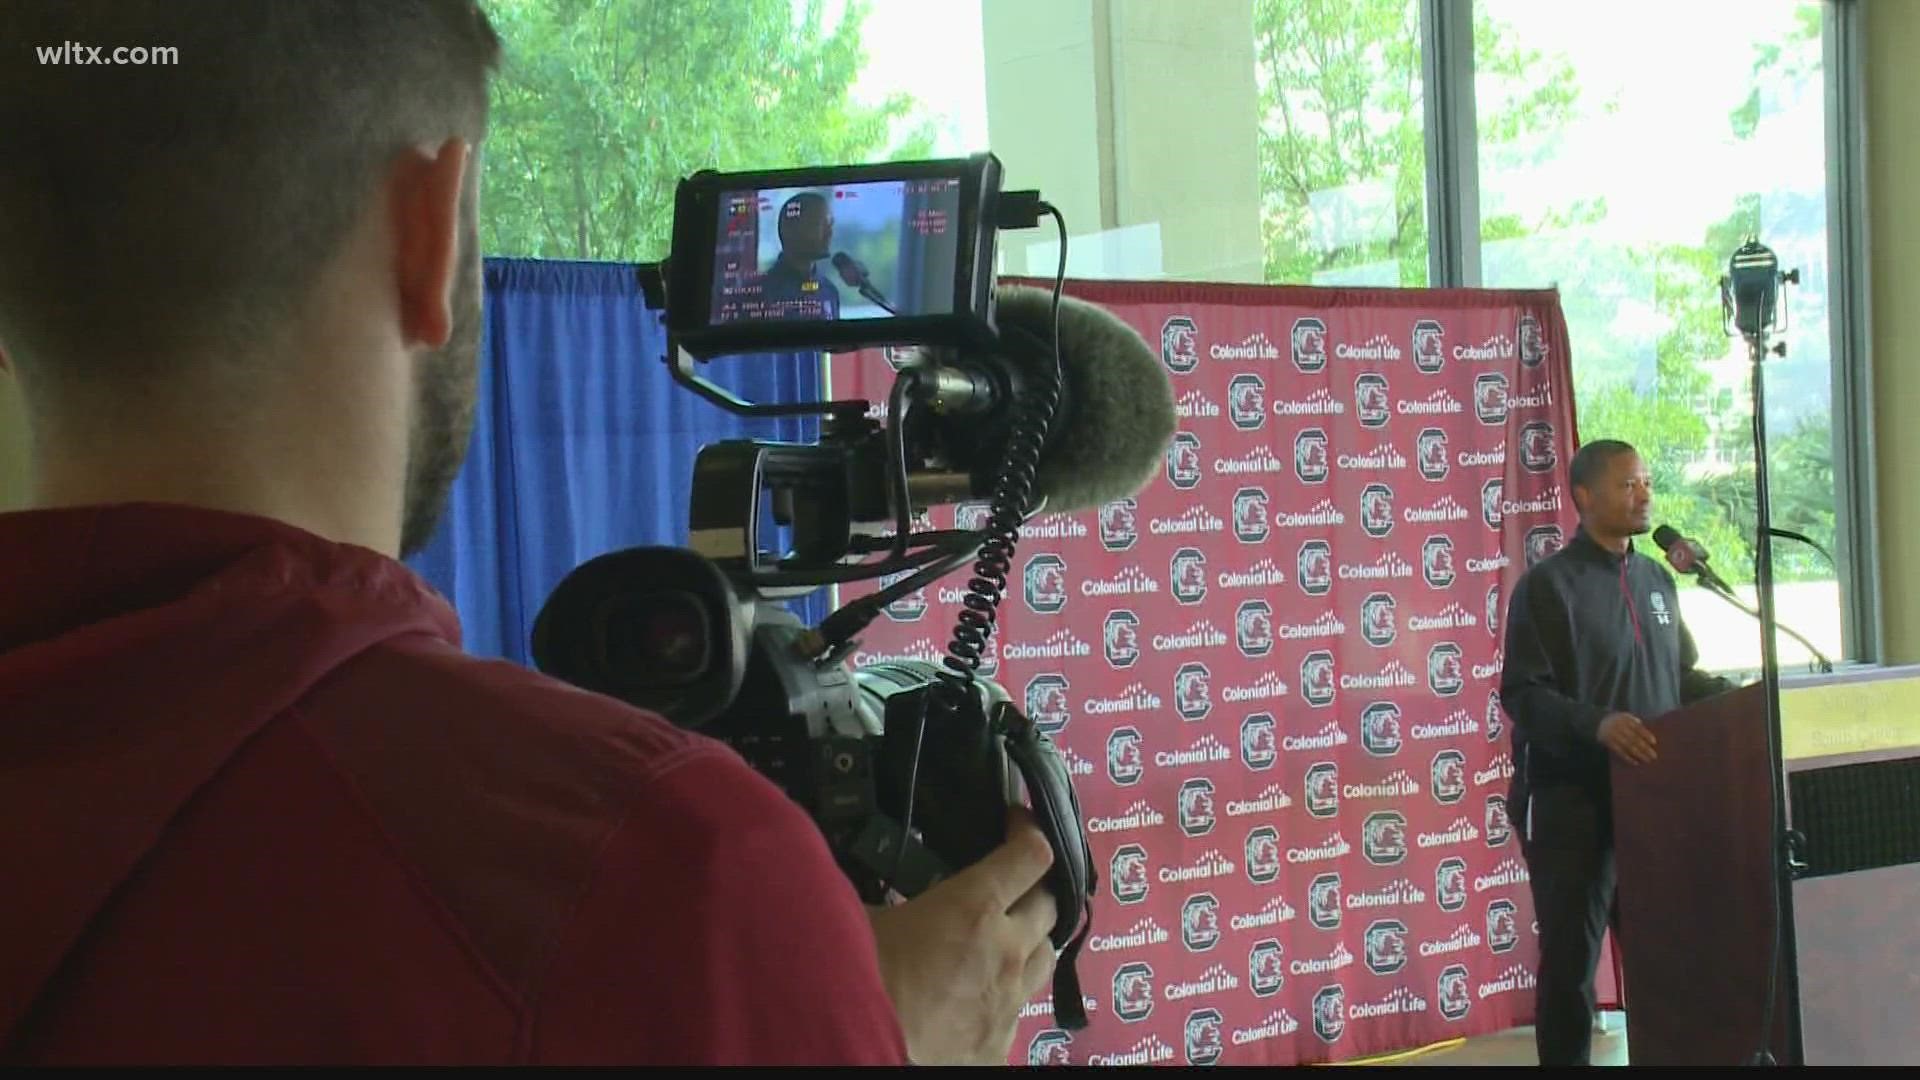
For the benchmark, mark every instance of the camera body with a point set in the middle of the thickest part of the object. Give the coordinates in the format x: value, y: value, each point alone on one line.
x: 907, y: 767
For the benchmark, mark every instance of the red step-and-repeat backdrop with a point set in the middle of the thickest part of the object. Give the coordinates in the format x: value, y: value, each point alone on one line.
x: 1275, y: 671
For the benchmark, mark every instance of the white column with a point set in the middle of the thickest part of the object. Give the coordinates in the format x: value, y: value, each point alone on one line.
x: 1139, y: 119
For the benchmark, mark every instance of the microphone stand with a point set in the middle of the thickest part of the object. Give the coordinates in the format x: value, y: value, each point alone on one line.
x: 872, y: 294
x: 1784, y: 949
x: 1826, y: 665
x: 1789, y: 534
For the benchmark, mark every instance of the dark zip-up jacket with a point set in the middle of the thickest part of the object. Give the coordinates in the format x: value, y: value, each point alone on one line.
x: 1591, y: 633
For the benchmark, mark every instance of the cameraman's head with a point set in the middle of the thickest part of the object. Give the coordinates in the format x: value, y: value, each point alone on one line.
x: 246, y: 274
x: 806, y: 229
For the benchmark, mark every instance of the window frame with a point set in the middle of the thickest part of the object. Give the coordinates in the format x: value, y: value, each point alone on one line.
x: 1453, y: 254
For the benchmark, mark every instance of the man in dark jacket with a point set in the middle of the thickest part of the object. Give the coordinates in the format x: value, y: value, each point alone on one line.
x: 806, y: 238
x: 1595, y: 645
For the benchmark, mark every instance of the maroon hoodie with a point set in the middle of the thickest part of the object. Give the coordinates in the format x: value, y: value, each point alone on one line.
x: 257, y: 806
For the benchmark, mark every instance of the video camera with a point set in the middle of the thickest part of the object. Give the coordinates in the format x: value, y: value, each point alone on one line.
x: 907, y: 767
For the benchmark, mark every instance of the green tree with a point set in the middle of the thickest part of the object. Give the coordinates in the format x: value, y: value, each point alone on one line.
x: 1342, y: 141
x: 1721, y: 505
x: 1800, y: 487
x: 603, y: 106
x: 1661, y: 302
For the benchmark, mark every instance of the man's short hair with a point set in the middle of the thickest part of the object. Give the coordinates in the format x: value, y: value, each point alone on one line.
x: 801, y: 203
x: 185, y: 203
x: 1591, y: 461
x: 798, y: 207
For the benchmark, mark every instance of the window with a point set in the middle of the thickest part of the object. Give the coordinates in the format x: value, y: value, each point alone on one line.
x: 1342, y: 142
x: 1626, y: 167
x: 603, y: 106
x: 1622, y: 166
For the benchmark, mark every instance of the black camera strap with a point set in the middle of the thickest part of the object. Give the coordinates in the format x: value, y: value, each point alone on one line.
x: 1072, y: 878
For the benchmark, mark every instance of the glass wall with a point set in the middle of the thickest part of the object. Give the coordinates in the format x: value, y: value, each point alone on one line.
x: 1343, y: 150
x: 1622, y: 158
x: 1650, y: 160
x: 603, y: 105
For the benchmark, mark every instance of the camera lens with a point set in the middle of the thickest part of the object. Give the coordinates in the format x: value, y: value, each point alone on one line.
x: 659, y: 640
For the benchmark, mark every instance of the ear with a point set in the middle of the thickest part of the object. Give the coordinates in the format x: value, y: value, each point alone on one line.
x: 424, y: 191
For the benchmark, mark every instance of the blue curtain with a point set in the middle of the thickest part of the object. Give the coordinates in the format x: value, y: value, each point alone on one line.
x: 582, y: 443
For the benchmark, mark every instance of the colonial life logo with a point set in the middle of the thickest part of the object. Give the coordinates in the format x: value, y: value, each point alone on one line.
x: 1118, y: 528
x: 1377, y: 623
x: 1266, y: 969
x: 1386, y: 946
x: 1309, y: 345
x: 1128, y: 874
x: 1314, y: 568
x: 1372, y: 400
x: 1537, y: 454
x: 1542, y: 542
x: 1197, y: 816
x: 1183, y: 461
x: 1263, y: 855
x: 1431, y: 454
x: 1391, y: 569
x: 1533, y: 342
x: 1203, y: 1037
x: 1259, y: 747
x: 1376, y: 510
x: 1323, y: 902
x: 1121, y: 635
x: 1490, y: 398
x: 1187, y: 576
x: 1323, y: 789
x: 1133, y: 992
x: 1449, y: 777
x: 1312, y: 462
x: 1193, y: 691
x: 1330, y: 1013
x: 1180, y: 345
x: 1200, y: 922
x: 1125, y: 760
x: 1247, y: 402
x: 1380, y: 729
x: 1045, y: 584
x: 1450, y: 884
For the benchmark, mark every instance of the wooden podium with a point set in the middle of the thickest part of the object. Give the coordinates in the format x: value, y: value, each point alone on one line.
x: 1693, y: 851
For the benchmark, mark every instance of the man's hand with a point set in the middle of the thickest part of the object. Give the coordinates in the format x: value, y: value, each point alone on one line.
x: 961, y: 959
x: 1627, y: 737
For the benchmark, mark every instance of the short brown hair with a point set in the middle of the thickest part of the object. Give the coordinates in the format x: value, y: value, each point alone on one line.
x: 1592, y: 461
x: 151, y: 209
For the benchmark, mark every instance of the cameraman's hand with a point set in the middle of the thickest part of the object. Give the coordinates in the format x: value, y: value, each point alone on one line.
x: 1627, y: 737
x: 961, y: 959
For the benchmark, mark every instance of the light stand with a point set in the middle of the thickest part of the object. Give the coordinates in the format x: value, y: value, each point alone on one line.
x: 1749, y: 295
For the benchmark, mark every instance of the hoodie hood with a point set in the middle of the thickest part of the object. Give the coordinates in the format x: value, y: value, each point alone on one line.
x: 141, y: 647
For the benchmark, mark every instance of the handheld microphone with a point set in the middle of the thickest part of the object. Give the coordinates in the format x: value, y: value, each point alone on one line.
x: 854, y: 273
x: 1688, y: 557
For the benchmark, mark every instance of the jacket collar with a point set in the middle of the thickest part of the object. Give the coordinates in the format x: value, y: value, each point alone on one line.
x: 1586, y: 547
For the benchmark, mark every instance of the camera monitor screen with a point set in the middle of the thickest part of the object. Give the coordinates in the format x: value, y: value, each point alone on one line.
x: 838, y: 258
x: 877, y: 249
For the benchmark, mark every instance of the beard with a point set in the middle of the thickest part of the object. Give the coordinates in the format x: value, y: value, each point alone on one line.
x: 445, y: 386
